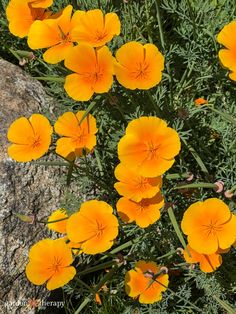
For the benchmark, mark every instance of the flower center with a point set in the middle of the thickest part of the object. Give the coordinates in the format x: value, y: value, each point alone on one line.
x: 141, y: 71
x: 35, y: 141
x: 56, y: 264
x: 152, y: 150
x: 99, y: 229
x: 142, y: 183
x: 78, y: 139
x: 100, y: 35
x: 212, y: 228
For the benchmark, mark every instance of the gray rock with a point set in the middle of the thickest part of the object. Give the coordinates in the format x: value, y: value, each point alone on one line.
x: 25, y: 188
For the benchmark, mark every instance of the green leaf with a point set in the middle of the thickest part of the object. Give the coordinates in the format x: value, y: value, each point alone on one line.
x: 196, y: 156
x: 50, y: 78
x: 176, y: 176
x: 24, y: 218
x: 177, y: 229
x: 227, y: 117
x: 196, y: 185
x: 90, y: 107
x: 225, y: 305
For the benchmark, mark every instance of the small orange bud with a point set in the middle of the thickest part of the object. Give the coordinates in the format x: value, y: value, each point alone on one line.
x: 200, y: 101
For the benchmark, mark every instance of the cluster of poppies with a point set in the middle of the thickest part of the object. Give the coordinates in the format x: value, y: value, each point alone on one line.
x: 80, y: 40
x: 91, y: 230
x: 31, y: 137
x: 211, y: 229
x: 146, y: 152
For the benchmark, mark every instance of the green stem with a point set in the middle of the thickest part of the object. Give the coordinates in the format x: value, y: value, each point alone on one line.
x: 82, y: 305
x: 232, y: 189
x: 97, y: 288
x: 123, y: 247
x: 181, y: 298
x: 69, y: 174
x: 78, y: 280
x: 147, y: 22
x: 205, y: 185
x: 50, y: 222
x: 176, y: 176
x: 224, y: 115
x: 164, y: 48
x: 177, y: 229
x: 50, y: 78
x: 96, y: 268
x: 160, y: 25
x: 98, y: 162
x: 196, y: 156
x: 171, y: 253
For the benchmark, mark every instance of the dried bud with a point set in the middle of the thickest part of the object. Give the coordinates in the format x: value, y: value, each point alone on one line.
x: 219, y: 186
x: 179, y: 251
x: 164, y: 270
x: 190, y: 177
x: 229, y: 194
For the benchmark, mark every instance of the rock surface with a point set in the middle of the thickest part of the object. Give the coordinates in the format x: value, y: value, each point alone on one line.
x: 25, y: 188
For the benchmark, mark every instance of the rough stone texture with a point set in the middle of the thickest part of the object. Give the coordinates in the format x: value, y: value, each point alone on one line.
x: 24, y: 188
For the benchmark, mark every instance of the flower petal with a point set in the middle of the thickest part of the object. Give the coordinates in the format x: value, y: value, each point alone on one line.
x: 77, y: 88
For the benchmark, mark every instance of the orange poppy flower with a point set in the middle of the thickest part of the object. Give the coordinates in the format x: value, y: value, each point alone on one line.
x: 59, y: 226
x: 209, y: 225
x: 78, y: 137
x: 144, y: 284
x: 49, y: 261
x: 96, y: 29
x: 21, y: 15
x: 144, y: 213
x: 55, y: 34
x: 200, y: 101
x: 134, y: 186
x: 93, y: 71
x: 31, y: 138
x: 149, y: 145
x: 138, y: 66
x: 94, y: 226
x: 227, y: 56
x: 208, y: 263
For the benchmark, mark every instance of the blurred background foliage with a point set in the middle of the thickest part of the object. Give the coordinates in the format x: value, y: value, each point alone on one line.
x: 185, y: 32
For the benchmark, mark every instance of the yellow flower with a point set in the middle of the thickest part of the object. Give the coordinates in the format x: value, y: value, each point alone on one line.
x: 149, y: 146
x: 93, y: 69
x: 134, y: 186
x: 207, y: 262
x: 56, y: 34
x: 31, y: 138
x: 49, y: 261
x: 144, y: 283
x: 144, y: 213
x: 59, y: 226
x: 78, y: 138
x: 209, y: 225
x: 96, y: 29
x: 94, y: 226
x: 21, y: 14
x: 138, y: 66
